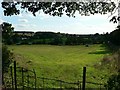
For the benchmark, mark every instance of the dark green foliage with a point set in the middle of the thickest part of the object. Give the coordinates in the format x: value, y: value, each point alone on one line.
x: 113, y: 82
x: 60, y: 8
x: 56, y: 38
x: 115, y: 36
x: 113, y: 63
x: 6, y: 58
x: 115, y: 19
x: 7, y: 33
x: 23, y: 37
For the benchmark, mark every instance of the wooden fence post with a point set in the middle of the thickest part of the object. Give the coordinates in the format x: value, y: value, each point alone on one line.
x: 35, y: 78
x: 84, y: 78
x: 60, y: 85
x: 79, y: 85
x: 22, y: 78
x: 100, y: 86
x: 15, y: 78
x: 11, y: 76
x: 28, y: 81
x: 43, y: 83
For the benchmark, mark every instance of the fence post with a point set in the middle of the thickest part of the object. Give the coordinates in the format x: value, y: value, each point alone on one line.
x: 100, y: 86
x: 11, y: 76
x: 22, y: 78
x: 43, y: 82
x: 15, y: 78
x: 84, y: 78
x: 79, y: 85
x: 60, y: 85
x: 28, y: 80
x: 3, y: 77
x: 35, y: 78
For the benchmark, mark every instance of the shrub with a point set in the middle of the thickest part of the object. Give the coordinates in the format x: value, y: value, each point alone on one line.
x: 112, y: 60
x: 113, y: 82
x: 6, y: 58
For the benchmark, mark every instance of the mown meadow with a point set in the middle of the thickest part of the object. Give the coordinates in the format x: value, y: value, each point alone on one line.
x: 64, y: 62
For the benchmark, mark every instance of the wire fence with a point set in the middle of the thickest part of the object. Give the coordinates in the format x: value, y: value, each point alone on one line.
x: 21, y: 78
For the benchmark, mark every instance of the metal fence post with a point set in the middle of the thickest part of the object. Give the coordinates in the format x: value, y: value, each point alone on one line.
x: 15, y: 78
x: 84, y: 78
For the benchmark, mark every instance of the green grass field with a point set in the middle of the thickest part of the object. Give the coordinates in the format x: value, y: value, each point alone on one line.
x: 63, y: 62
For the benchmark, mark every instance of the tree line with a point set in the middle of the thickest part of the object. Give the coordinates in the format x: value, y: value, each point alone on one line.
x: 26, y: 37
x: 54, y: 38
x: 22, y: 37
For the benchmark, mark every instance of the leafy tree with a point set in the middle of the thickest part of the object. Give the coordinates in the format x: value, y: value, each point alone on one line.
x: 59, y: 8
x: 115, y: 36
x: 7, y: 33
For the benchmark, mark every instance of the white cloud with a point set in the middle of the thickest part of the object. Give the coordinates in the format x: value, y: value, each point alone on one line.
x: 21, y: 25
x: 20, y: 15
x: 25, y: 26
x: 88, y: 25
x: 23, y: 20
x: 106, y: 27
x: 24, y: 14
x: 79, y: 25
x: 44, y: 16
x: 1, y: 21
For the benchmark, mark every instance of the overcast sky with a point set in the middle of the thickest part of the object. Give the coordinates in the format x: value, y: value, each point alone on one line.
x: 42, y: 22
